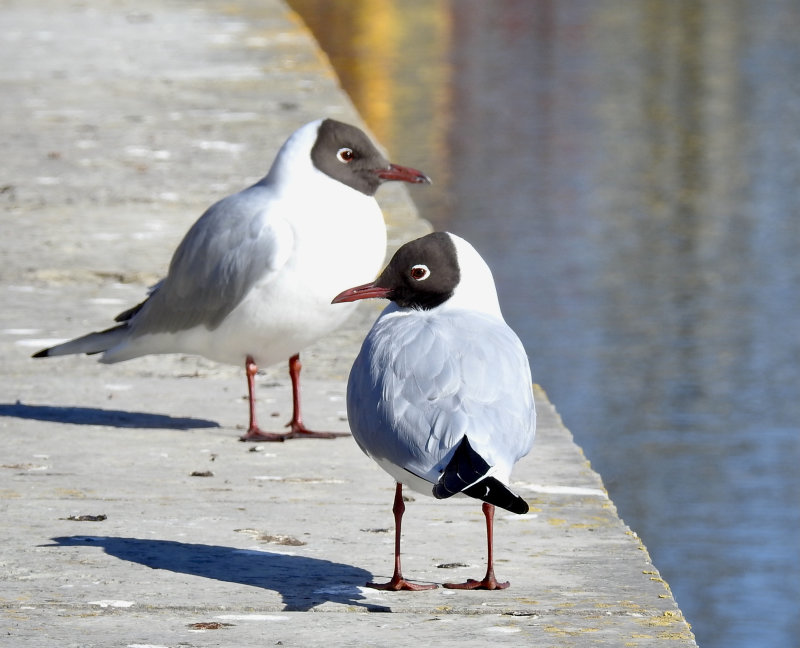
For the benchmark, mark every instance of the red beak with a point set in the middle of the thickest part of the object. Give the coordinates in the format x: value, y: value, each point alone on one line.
x: 406, y: 174
x: 367, y: 291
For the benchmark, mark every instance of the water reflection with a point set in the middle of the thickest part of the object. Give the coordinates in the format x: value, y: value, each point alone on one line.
x: 631, y: 172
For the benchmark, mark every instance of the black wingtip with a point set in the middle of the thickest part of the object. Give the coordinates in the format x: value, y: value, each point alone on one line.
x: 493, y: 491
x: 468, y: 467
x: 465, y: 467
x: 41, y: 354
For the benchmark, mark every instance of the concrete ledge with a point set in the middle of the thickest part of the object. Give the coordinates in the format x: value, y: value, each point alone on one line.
x: 121, y: 125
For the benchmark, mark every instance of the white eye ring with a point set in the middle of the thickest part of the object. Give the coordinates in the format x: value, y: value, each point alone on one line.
x: 420, y: 272
x: 345, y: 154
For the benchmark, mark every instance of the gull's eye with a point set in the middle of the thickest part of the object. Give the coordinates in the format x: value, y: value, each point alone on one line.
x: 345, y: 155
x: 420, y: 272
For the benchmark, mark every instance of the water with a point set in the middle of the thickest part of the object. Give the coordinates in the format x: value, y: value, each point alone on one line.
x: 631, y: 171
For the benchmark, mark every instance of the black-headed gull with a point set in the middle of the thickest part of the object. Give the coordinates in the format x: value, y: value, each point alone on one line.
x: 252, y: 280
x: 440, y: 395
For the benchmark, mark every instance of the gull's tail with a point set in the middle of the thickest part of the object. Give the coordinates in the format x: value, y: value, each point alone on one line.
x: 91, y: 343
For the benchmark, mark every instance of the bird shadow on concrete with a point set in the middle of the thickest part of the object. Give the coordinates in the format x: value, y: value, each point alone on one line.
x: 98, y: 416
x: 302, y: 582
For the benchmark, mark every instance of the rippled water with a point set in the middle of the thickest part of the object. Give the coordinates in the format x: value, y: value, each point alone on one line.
x: 631, y: 171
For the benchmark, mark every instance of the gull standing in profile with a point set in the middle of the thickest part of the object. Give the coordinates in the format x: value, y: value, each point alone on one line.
x: 440, y: 395
x: 252, y: 279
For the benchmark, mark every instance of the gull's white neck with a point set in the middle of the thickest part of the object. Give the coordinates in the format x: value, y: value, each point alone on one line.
x: 476, y: 289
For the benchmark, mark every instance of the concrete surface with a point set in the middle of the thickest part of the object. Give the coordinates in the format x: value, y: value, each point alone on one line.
x: 121, y: 122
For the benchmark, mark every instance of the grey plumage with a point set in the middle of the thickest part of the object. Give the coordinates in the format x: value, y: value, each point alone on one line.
x: 221, y: 257
x: 431, y: 394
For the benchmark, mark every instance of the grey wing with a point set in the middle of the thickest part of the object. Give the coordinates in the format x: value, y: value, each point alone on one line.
x: 235, y: 243
x: 436, y: 384
x: 498, y: 397
x: 385, y: 411
x: 493, y: 404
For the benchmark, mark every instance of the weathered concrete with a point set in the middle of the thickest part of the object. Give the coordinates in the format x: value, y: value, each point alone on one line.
x: 120, y: 124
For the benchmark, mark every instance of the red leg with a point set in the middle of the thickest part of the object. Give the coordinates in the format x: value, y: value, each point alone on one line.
x: 398, y: 582
x: 254, y: 433
x: 489, y: 581
x: 298, y: 429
